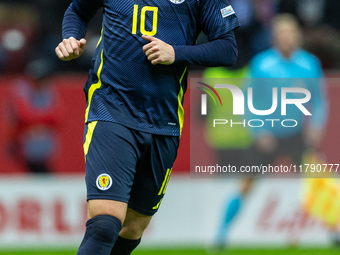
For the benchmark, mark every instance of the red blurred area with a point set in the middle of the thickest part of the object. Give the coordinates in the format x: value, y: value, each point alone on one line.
x: 19, y: 25
x: 69, y: 157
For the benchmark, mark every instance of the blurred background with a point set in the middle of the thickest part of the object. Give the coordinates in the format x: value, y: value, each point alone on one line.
x: 42, y: 105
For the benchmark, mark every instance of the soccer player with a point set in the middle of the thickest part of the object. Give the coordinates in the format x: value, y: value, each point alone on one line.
x: 134, y: 113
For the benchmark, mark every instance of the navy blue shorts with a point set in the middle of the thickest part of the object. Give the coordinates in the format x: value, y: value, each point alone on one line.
x: 128, y: 165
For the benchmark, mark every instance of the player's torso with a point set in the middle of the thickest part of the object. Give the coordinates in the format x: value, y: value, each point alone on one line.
x: 135, y: 92
x: 172, y: 21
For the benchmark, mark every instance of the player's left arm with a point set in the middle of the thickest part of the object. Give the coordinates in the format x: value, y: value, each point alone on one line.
x: 218, y: 21
x: 219, y: 52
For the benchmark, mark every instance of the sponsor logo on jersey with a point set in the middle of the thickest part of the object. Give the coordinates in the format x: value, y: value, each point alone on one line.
x: 227, y: 11
x: 104, y: 182
x: 177, y: 1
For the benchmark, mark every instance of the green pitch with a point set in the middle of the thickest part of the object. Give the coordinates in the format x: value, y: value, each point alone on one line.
x: 194, y: 252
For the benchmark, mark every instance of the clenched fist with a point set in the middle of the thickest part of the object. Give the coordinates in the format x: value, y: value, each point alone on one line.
x: 70, y: 49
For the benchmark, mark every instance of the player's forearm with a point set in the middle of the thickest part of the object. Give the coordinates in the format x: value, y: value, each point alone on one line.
x: 73, y: 25
x: 220, y: 52
x: 77, y: 16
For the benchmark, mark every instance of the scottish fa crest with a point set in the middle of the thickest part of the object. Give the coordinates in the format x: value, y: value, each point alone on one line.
x: 104, y: 182
x: 177, y: 1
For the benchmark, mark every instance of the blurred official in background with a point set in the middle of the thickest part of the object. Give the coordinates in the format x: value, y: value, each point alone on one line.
x: 285, y: 59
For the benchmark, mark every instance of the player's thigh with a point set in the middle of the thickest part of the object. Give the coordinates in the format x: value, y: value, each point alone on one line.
x: 110, y: 163
x: 153, y: 174
x: 134, y: 224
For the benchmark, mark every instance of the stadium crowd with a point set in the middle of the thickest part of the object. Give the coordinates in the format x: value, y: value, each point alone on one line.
x: 30, y: 29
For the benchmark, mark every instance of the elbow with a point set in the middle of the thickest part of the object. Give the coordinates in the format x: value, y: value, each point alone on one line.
x: 230, y: 50
x: 228, y: 59
x: 232, y: 59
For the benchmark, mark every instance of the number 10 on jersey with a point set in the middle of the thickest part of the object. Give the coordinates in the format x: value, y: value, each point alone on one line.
x: 142, y: 20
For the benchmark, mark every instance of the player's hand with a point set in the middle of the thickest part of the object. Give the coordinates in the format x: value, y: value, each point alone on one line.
x: 70, y: 49
x: 158, y: 52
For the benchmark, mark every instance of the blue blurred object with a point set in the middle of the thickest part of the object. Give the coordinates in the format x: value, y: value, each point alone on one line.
x: 233, y: 207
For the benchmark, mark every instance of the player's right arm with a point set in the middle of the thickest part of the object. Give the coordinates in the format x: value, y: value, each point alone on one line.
x: 74, y: 27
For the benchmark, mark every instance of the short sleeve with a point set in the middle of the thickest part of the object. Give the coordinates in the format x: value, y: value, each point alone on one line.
x: 217, y: 18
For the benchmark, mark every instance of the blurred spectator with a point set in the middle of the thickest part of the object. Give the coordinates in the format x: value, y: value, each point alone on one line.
x: 320, y: 22
x: 288, y: 6
x: 331, y: 14
x: 308, y: 12
x: 18, y: 30
x: 34, y: 113
x: 323, y: 40
x: 285, y: 60
x: 32, y: 28
x: 254, y: 34
x: 231, y: 144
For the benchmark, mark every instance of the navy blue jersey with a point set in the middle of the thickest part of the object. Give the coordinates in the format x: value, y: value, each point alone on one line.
x: 123, y: 86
